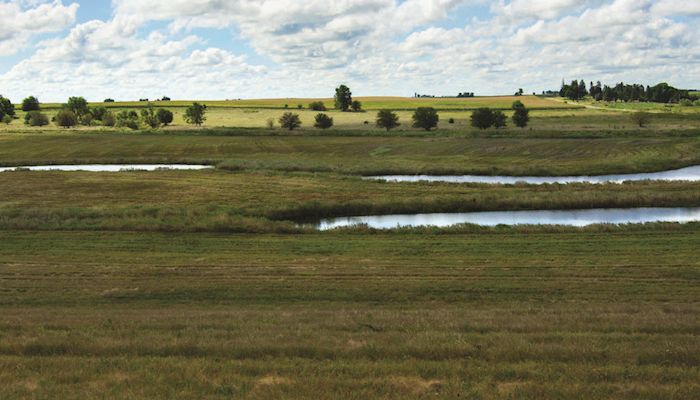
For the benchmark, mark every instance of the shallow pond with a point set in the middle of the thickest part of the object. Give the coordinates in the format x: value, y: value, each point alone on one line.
x: 577, y: 218
x: 108, y: 167
x: 683, y: 174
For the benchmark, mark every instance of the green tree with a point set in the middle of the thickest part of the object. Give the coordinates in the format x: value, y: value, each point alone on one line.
x: 31, y: 103
x: 165, y: 116
x: 323, y: 121
x: 196, y: 114
x: 98, y: 113
x: 317, y: 106
x: 6, y: 107
x: 109, y: 119
x: 387, y: 119
x: 499, y: 119
x: 7, y: 119
x: 343, y: 98
x: 66, y: 118
x: 79, y: 107
x: 149, y: 117
x: 36, y: 118
x: 482, y: 118
x: 521, y: 114
x: 356, y: 106
x: 426, y: 118
x: 290, y: 121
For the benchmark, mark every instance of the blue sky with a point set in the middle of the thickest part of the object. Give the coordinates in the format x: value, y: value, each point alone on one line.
x: 207, y: 49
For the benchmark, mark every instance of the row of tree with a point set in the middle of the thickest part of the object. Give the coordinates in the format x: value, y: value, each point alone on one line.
x: 661, y: 93
x: 484, y: 118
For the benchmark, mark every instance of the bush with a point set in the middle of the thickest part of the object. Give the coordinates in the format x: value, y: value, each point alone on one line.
x: 686, y: 103
x: 165, y: 116
x: 451, y: 121
x: 79, y: 107
x: 290, y: 121
x: 270, y: 123
x: 696, y: 103
x: 66, y: 118
x: 482, y: 118
x: 499, y: 119
x: 387, y: 119
x: 641, y: 118
x: 31, y: 103
x: 6, y: 119
x: 356, y: 106
x: 87, y: 119
x: 300, y: 106
x: 150, y: 118
x: 98, y: 113
x: 6, y: 108
x: 317, y: 106
x: 521, y: 115
x: 127, y: 119
x: 323, y: 121
x: 108, y: 119
x: 425, y: 118
x: 36, y: 118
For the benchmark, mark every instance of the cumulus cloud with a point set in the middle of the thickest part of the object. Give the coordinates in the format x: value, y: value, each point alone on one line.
x: 22, y: 19
x: 377, y: 46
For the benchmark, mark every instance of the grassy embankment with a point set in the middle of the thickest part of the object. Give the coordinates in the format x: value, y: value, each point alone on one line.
x: 488, y: 316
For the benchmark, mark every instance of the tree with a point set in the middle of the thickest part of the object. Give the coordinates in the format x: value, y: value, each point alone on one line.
x: 290, y: 121
x: 66, y: 118
x: 127, y: 119
x: 108, y: 119
x: 317, y: 106
x: 7, y: 119
x: 6, y: 108
x: 36, y: 118
x: 98, y: 113
x: 641, y: 118
x: 31, y: 103
x: 482, y: 118
x: 165, y: 98
x: 387, y: 119
x: 109, y: 101
x: 323, y: 121
x: 499, y: 119
x: 521, y: 115
x: 356, y: 106
x: 79, y: 107
x: 196, y: 114
x: 149, y: 117
x: 426, y: 118
x: 165, y: 116
x: 343, y: 98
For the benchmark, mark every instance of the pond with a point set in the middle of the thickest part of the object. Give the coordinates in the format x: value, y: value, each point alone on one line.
x: 107, y: 167
x: 578, y: 218
x: 683, y: 174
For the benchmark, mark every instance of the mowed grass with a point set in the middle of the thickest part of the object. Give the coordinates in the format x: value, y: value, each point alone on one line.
x: 544, y: 122
x: 352, y: 316
x: 360, y: 155
x: 219, y: 201
x: 368, y: 103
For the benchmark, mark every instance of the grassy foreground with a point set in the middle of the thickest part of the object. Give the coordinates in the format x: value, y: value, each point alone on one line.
x: 488, y: 316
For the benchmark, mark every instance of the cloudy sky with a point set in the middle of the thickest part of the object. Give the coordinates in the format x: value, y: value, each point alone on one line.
x: 221, y: 49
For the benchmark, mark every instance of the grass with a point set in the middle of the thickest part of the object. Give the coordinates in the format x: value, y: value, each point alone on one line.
x: 355, y: 316
x: 218, y: 201
x: 361, y: 155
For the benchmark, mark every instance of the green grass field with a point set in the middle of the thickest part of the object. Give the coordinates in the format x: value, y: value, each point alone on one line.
x: 207, y: 284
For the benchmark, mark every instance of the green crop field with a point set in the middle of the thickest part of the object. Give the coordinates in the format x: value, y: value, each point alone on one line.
x: 215, y: 284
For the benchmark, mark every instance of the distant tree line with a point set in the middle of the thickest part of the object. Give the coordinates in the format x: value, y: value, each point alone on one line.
x: 661, y: 93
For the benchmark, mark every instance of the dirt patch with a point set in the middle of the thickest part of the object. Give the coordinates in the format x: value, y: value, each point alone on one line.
x: 272, y: 380
x: 415, y: 386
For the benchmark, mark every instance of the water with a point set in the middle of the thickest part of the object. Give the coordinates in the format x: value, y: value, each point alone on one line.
x: 578, y: 218
x: 691, y: 174
x: 109, y: 167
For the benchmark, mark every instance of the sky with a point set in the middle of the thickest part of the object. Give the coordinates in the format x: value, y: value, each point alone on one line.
x: 230, y: 49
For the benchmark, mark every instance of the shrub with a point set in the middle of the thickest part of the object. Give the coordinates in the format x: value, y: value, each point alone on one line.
x: 196, y: 114
x: 66, y: 118
x: 31, y: 103
x: 482, y: 118
x: 499, y: 119
x: 686, y: 103
x: 6, y: 108
x: 87, y: 119
x: 165, y: 98
x: 108, y: 119
x: 127, y: 119
x: 150, y: 118
x: 290, y: 121
x: 36, y: 118
x: 79, y: 107
x: 323, y: 121
x: 521, y: 115
x: 696, y: 103
x: 98, y: 113
x: 426, y: 118
x: 7, y: 119
x: 300, y: 106
x: 356, y: 106
x: 317, y: 106
x: 387, y: 119
x: 451, y: 121
x: 165, y: 116
x: 641, y: 118
x: 270, y: 123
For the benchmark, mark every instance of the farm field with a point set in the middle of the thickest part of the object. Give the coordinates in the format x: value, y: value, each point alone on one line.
x: 215, y: 283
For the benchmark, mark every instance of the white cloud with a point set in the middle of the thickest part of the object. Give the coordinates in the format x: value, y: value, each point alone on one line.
x: 677, y: 7
x: 20, y: 20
